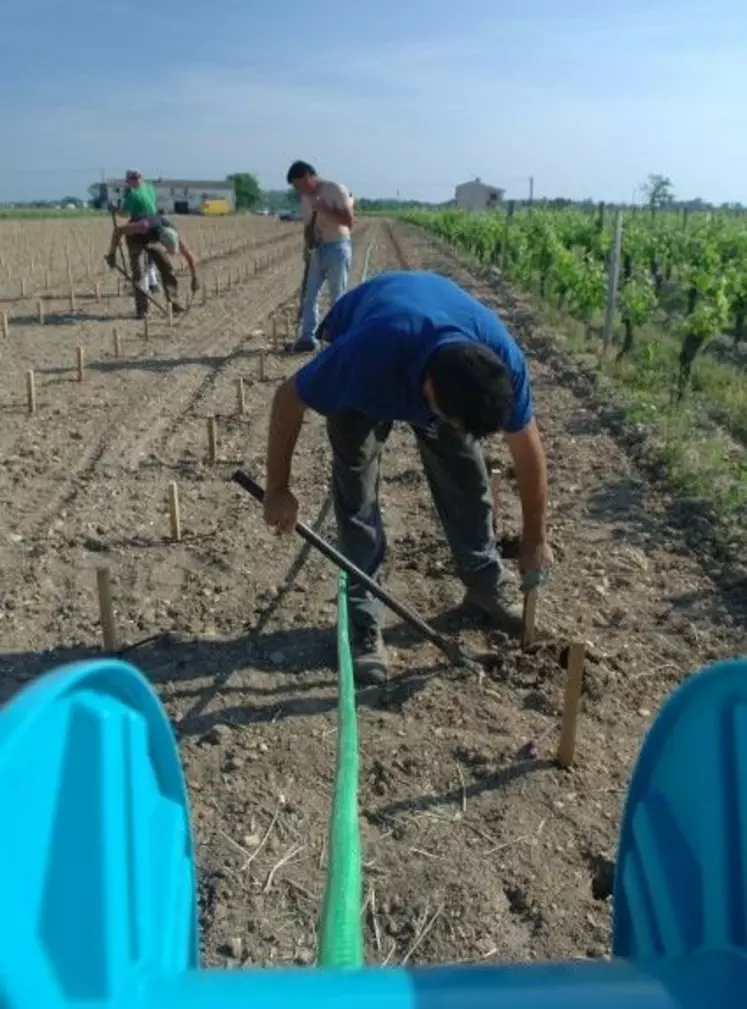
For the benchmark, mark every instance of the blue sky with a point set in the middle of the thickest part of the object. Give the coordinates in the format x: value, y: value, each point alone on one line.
x: 408, y: 96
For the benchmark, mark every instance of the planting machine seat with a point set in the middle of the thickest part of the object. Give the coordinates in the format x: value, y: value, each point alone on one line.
x: 98, y: 870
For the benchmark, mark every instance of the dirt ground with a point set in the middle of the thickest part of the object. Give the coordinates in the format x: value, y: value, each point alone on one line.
x: 471, y: 852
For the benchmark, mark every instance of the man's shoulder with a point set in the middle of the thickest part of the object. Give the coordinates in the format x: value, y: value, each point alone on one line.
x: 334, y: 189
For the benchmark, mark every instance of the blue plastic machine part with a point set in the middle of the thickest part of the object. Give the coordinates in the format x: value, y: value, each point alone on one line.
x: 98, y: 872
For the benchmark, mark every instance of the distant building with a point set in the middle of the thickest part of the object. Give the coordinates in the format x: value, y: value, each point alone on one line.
x: 477, y: 195
x: 175, y: 196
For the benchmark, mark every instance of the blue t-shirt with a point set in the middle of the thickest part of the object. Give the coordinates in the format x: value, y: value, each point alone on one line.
x: 382, y: 334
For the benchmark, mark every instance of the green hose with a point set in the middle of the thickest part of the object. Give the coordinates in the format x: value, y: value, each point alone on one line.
x: 341, y: 932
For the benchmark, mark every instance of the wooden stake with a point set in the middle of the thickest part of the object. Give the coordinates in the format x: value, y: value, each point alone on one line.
x: 240, y: 400
x: 261, y: 366
x: 115, y: 341
x: 72, y: 300
x: 23, y: 287
x: 30, y: 393
x: 174, y: 513
x: 6, y: 327
x: 567, y: 745
x: 275, y: 333
x: 613, y: 279
x: 106, y: 610
x: 46, y: 280
x: 80, y: 355
x: 40, y: 310
x: 212, y: 439
x: 97, y: 290
x: 530, y: 614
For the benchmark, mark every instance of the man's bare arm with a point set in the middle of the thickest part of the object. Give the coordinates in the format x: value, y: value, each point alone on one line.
x: 286, y: 420
x: 529, y: 461
x: 340, y: 216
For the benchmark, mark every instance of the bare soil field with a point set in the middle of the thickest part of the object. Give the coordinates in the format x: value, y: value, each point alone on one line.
x: 472, y: 852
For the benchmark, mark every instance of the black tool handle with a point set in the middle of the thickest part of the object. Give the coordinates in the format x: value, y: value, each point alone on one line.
x: 248, y: 484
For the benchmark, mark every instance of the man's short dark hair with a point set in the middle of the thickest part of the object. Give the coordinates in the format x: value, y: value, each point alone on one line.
x: 472, y: 385
x: 298, y: 170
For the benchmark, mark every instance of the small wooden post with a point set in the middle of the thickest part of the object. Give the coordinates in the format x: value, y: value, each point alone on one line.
x: 106, y: 609
x: 23, y: 287
x: 115, y: 341
x: 97, y: 290
x: 174, y: 513
x: 275, y: 333
x: 212, y: 439
x: 46, y: 280
x: 261, y: 366
x: 529, y: 617
x: 6, y: 327
x: 30, y: 393
x: 567, y: 745
x: 240, y: 399
x: 80, y: 356
x: 72, y: 300
x: 40, y: 310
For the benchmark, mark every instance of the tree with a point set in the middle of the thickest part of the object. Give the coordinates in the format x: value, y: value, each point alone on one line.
x: 247, y: 189
x: 659, y: 191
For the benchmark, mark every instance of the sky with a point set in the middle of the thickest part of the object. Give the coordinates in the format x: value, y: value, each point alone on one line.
x: 397, y: 97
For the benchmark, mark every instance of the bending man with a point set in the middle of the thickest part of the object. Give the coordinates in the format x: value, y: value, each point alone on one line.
x: 143, y: 233
x: 417, y: 348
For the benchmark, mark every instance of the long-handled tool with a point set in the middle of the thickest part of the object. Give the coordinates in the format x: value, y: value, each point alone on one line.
x: 449, y: 646
x: 308, y: 250
x: 123, y: 270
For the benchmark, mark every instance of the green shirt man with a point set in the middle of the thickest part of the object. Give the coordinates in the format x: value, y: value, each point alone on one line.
x: 140, y: 198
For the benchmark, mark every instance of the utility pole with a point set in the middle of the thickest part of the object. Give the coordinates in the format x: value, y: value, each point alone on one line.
x: 531, y: 189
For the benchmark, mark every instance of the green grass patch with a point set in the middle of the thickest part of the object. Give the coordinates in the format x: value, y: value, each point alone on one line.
x: 40, y: 213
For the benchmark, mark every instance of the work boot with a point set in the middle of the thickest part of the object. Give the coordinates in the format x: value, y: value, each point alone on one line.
x: 505, y: 616
x: 370, y: 666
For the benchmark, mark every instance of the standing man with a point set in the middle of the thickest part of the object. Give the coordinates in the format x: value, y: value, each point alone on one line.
x: 415, y: 347
x: 327, y: 209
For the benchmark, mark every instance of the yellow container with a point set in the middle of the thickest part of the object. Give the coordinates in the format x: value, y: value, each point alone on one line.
x: 215, y: 208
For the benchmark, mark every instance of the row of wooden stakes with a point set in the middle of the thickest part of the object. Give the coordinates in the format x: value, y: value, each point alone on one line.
x: 566, y: 750
x: 80, y: 364
x: 233, y: 278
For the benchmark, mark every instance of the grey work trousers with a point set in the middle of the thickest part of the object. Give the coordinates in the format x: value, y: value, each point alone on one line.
x: 459, y: 485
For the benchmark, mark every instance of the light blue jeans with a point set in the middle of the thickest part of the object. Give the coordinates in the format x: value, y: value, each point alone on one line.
x: 330, y: 263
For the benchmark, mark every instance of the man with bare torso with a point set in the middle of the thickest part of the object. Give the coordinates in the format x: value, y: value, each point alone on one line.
x: 327, y: 209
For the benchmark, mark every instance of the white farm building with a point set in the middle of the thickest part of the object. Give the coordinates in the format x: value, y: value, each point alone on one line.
x: 175, y: 196
x: 478, y: 195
